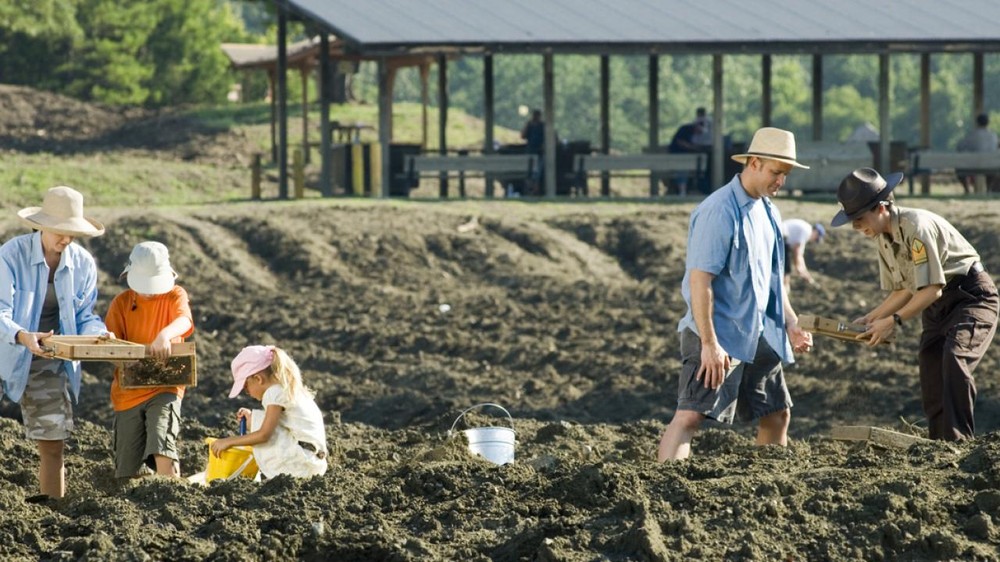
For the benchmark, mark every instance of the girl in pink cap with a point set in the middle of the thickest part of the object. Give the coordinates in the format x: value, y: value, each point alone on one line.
x: 287, y: 436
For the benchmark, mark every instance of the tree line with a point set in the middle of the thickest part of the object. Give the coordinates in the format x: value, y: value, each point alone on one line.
x: 163, y: 53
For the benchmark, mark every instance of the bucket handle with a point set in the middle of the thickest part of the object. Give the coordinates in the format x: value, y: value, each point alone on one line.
x: 242, y: 467
x: 465, y: 411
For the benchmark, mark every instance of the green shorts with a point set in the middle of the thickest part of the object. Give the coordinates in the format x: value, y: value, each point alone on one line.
x: 46, y: 407
x: 151, y: 428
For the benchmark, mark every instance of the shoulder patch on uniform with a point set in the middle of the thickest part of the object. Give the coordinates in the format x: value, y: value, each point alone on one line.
x: 918, y: 252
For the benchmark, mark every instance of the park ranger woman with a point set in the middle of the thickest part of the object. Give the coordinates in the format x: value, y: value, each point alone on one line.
x: 931, y: 271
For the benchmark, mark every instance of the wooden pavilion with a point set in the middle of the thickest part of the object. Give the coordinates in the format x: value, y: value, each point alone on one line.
x: 380, y: 30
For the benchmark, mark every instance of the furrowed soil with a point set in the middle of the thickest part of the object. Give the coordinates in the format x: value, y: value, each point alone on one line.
x: 404, y: 314
x: 563, y: 314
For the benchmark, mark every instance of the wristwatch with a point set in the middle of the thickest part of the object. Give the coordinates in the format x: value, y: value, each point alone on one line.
x: 897, y: 319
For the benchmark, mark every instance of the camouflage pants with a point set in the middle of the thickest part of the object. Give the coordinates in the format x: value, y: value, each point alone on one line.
x: 46, y: 407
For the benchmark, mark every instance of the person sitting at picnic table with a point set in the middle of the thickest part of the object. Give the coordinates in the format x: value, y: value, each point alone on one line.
x: 980, y: 139
x: 683, y: 142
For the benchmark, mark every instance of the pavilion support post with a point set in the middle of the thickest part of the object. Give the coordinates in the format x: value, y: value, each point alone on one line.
x: 718, y: 151
x: 605, y: 121
x: 765, y: 91
x: 424, y: 102
x: 304, y: 74
x: 282, y: 100
x: 488, y: 110
x: 817, y: 97
x: 548, y: 90
x: 654, y: 117
x: 384, y: 126
x: 925, y: 115
x: 442, y: 62
x: 977, y: 85
x: 885, y: 130
x: 272, y: 94
x: 325, y: 79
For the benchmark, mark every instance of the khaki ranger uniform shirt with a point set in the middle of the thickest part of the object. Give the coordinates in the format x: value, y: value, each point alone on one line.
x: 921, y: 249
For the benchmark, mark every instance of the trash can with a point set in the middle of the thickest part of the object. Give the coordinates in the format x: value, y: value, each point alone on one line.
x: 400, y: 183
x: 340, y: 167
x: 351, y: 168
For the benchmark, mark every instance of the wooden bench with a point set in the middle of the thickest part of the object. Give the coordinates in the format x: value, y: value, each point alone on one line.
x: 654, y: 163
x: 499, y: 166
x: 936, y: 161
x: 829, y: 163
x: 520, y: 165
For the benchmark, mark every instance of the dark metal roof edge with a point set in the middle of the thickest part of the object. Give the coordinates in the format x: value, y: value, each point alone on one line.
x: 307, y: 15
x: 734, y: 48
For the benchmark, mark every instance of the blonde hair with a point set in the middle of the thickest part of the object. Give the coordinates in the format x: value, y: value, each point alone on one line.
x: 284, y: 370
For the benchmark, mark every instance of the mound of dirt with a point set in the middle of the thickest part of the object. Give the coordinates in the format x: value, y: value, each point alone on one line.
x: 565, y: 315
x: 38, y: 121
x: 35, y: 120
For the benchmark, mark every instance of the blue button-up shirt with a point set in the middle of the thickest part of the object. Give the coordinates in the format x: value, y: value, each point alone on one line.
x: 24, y: 278
x: 736, y: 238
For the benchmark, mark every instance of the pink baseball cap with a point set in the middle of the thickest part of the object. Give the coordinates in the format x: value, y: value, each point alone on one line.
x: 250, y: 361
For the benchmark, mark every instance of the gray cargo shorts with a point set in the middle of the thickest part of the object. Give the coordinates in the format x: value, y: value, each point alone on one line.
x: 151, y: 428
x: 46, y: 407
x: 749, y: 391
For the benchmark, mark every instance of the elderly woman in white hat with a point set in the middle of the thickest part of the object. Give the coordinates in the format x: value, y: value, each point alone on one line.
x: 48, y: 285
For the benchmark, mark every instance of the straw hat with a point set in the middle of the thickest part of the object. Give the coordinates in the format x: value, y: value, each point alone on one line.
x: 148, y: 269
x: 861, y: 190
x: 772, y: 144
x: 62, y: 213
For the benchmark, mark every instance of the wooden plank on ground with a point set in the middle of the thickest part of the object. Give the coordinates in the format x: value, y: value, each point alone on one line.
x: 876, y: 435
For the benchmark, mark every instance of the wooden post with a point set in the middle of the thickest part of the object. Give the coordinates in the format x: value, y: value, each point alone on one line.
x: 255, y: 173
x: 442, y: 62
x: 375, y: 170
x: 653, y: 92
x: 358, y: 169
x: 765, y: 87
x: 925, y: 118
x: 605, y: 123
x: 304, y: 74
x: 282, y: 100
x: 817, y: 99
x: 298, y: 173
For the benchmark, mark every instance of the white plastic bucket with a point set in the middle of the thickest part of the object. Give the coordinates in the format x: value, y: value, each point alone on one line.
x: 495, y: 444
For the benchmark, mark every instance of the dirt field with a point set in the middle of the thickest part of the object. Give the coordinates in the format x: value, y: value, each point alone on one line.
x: 403, y: 314
x: 565, y: 315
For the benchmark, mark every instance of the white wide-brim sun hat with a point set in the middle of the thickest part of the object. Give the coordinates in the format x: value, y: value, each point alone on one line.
x: 62, y: 213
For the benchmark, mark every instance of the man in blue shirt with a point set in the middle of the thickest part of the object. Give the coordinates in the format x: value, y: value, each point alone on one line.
x: 48, y: 285
x: 739, y: 327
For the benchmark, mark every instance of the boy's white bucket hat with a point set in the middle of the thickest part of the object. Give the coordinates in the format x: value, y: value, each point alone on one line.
x: 148, y: 269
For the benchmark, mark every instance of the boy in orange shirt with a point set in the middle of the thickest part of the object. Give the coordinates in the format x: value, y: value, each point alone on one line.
x: 153, y: 311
